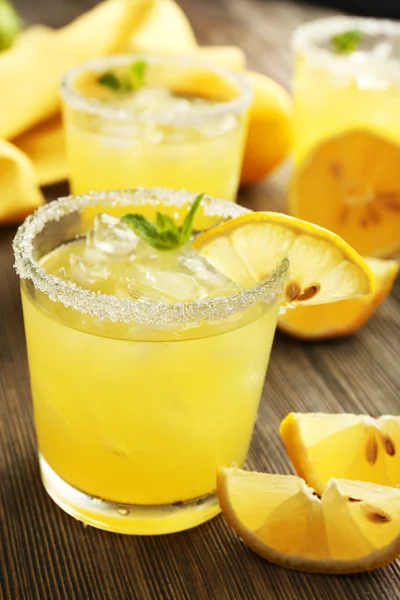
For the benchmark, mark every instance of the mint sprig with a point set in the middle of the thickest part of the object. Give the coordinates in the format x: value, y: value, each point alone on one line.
x: 347, y: 42
x: 110, y: 80
x: 133, y: 81
x: 187, y: 227
x: 164, y: 233
x: 137, y: 71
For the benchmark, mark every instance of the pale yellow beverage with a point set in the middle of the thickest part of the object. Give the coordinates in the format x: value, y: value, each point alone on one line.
x: 146, y: 365
x: 347, y: 77
x: 347, y: 131
x: 155, y: 121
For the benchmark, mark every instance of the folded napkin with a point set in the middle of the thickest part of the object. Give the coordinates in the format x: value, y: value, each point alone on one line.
x: 44, y: 145
x: 164, y: 29
x: 19, y: 193
x: 32, y: 69
x: 34, y: 153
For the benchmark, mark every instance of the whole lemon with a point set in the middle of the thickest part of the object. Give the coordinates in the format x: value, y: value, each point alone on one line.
x: 269, y: 136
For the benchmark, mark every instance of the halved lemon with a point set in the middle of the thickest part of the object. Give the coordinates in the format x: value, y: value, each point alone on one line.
x: 351, y: 185
x: 346, y: 316
x: 354, y: 527
x: 323, y: 268
x: 348, y: 446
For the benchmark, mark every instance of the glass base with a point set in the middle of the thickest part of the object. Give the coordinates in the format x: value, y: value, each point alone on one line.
x: 127, y: 518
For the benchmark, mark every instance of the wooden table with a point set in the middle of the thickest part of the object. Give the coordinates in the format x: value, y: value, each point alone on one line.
x: 45, y: 554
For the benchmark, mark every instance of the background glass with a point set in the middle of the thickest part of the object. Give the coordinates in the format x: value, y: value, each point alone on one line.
x: 199, y: 148
x: 347, y: 130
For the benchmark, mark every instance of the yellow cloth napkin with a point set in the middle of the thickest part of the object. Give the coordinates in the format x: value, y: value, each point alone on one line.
x: 19, y: 193
x: 44, y: 144
x: 33, y: 67
x: 160, y: 25
x: 32, y: 70
x: 34, y: 153
x: 30, y: 121
x: 165, y: 29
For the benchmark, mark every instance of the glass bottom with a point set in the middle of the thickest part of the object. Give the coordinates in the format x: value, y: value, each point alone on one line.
x: 127, y: 518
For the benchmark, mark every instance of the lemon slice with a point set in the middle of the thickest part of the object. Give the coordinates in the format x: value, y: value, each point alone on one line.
x: 323, y: 268
x: 354, y: 527
x: 321, y: 446
x: 346, y: 316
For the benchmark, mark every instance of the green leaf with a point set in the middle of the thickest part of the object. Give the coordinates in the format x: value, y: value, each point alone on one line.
x: 165, y: 223
x: 149, y: 232
x: 10, y: 24
x: 137, y: 72
x: 164, y: 234
x: 130, y: 82
x: 110, y: 80
x: 347, y: 42
x: 187, y: 227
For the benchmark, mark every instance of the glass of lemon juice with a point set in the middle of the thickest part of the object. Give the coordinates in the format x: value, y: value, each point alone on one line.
x: 347, y: 130
x: 140, y: 120
x: 146, y: 363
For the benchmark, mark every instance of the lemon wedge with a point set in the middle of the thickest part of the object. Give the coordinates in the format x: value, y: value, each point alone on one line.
x: 347, y: 446
x: 353, y: 527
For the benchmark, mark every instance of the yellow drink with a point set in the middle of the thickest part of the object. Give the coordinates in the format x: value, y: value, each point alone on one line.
x: 185, y: 128
x: 347, y: 130
x: 337, y: 93
x: 133, y: 416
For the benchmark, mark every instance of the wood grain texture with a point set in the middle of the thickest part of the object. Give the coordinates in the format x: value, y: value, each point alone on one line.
x: 45, y: 554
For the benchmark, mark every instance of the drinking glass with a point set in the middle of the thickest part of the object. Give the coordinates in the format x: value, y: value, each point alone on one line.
x: 347, y: 130
x: 137, y: 403
x: 188, y: 144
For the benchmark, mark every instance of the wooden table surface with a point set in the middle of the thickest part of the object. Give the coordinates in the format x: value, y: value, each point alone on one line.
x: 45, y: 554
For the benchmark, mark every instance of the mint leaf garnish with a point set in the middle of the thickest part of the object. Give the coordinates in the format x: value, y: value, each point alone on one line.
x: 149, y: 232
x: 164, y: 234
x: 166, y: 223
x: 137, y: 72
x: 133, y: 81
x: 110, y: 80
x: 347, y: 42
x: 10, y: 24
x: 187, y: 226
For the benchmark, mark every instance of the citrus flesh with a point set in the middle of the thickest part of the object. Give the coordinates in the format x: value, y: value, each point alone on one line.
x: 344, y: 317
x: 323, y: 268
x: 353, y: 527
x: 350, y: 184
x: 348, y: 446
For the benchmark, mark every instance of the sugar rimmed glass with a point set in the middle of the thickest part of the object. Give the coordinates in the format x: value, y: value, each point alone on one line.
x: 198, y: 147
x: 339, y: 92
x: 137, y: 403
x: 347, y: 130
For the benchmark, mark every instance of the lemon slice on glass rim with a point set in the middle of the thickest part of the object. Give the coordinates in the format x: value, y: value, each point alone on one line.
x: 323, y: 267
x: 319, y: 322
